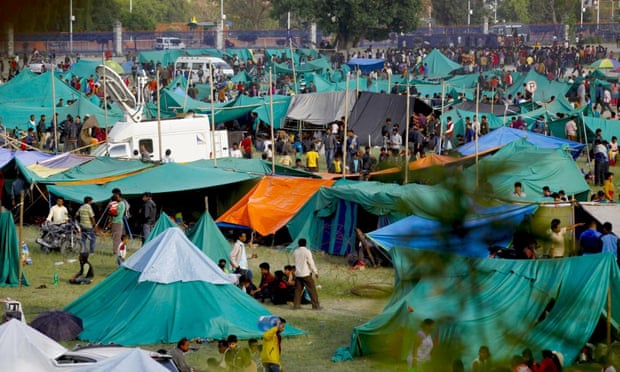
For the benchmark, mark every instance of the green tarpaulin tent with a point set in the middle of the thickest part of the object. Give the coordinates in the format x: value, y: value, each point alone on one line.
x: 9, y: 252
x: 509, y: 305
x: 204, y: 234
x: 534, y: 167
x: 165, y: 291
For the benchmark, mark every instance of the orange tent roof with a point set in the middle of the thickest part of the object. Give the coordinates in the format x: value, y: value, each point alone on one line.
x: 432, y: 160
x: 270, y: 204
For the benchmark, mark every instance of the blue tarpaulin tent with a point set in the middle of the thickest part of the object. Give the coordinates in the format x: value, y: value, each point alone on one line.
x: 488, y: 227
x: 366, y: 64
x: 505, y: 135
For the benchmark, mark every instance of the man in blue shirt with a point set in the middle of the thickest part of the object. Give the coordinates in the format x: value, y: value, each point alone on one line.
x: 609, y: 240
x: 590, y: 240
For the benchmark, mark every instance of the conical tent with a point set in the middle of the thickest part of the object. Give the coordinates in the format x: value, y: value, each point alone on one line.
x: 166, y: 291
x: 9, y: 252
x: 164, y: 222
x: 439, y: 65
x: 23, y: 348
x: 204, y: 234
x: 208, y: 238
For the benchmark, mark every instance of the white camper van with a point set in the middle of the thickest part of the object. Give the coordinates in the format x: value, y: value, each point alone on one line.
x: 199, y: 66
x: 188, y: 139
x: 164, y: 43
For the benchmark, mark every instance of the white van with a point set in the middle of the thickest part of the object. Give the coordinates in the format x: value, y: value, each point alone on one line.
x: 188, y: 139
x: 163, y: 43
x: 200, y: 66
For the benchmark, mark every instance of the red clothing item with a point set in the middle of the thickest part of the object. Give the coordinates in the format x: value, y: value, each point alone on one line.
x: 546, y: 365
x: 266, y: 280
x: 246, y: 145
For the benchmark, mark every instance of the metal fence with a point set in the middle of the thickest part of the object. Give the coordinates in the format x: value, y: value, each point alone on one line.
x: 137, y: 41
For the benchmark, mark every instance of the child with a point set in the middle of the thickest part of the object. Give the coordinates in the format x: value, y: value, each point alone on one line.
x: 86, y: 273
x: 337, y: 164
x: 122, y: 250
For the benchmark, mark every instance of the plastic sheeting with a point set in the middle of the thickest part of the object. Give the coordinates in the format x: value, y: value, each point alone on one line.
x: 480, y: 230
x: 9, y: 252
x: 439, y: 65
x: 534, y: 167
x: 190, y: 176
x: 204, y: 234
x: 23, y: 348
x: 492, y: 302
x: 272, y: 203
x: 371, y: 109
x: 180, y: 261
x: 609, y: 128
x: 5, y: 157
x: 125, y: 310
x: 505, y: 135
x: 320, y: 108
x: 131, y: 360
x: 366, y: 65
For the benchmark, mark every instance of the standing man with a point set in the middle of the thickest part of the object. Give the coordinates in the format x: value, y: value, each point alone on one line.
x: 116, y: 210
x: 272, y: 347
x: 330, y: 150
x: 239, y: 258
x: 246, y: 146
x: 304, y: 268
x: 58, y: 213
x: 86, y: 217
x: 41, y: 127
x: 148, y: 214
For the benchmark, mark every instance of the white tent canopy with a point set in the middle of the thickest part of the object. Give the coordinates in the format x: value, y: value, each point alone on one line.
x: 23, y: 348
x: 131, y: 360
x: 172, y: 257
x: 604, y: 212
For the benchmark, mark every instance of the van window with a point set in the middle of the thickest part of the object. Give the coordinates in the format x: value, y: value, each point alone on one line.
x: 147, y: 143
x: 118, y: 151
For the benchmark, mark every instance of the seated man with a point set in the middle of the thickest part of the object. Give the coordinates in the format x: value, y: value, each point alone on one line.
x: 266, y: 278
x: 178, y: 355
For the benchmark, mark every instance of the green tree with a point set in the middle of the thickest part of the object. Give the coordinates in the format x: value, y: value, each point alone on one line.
x: 352, y: 20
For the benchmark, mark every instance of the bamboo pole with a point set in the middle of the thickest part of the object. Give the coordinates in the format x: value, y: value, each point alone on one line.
x: 476, y: 132
x: 158, y: 119
x: 273, y: 142
x: 406, y: 139
x: 346, y: 122
x: 21, y: 237
x: 212, y: 90
x: 441, y: 131
x: 54, y: 114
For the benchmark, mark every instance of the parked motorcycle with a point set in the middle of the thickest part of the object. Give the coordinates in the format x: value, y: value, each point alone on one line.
x: 64, y: 238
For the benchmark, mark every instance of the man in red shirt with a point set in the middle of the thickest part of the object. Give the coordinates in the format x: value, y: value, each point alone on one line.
x: 246, y: 146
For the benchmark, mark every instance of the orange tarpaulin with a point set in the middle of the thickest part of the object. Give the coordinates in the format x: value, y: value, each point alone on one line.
x: 270, y: 204
x: 432, y: 160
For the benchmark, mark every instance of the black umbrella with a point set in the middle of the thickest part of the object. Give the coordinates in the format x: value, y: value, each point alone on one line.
x: 59, y: 325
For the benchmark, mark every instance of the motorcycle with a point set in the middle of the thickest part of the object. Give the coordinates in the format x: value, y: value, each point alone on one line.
x: 64, y: 238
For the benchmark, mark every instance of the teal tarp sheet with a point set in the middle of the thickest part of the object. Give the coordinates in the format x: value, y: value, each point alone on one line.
x: 9, y: 252
x: 534, y: 167
x: 492, y: 302
x: 190, y: 176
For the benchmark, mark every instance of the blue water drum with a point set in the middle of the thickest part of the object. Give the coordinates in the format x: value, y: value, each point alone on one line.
x: 266, y: 322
